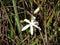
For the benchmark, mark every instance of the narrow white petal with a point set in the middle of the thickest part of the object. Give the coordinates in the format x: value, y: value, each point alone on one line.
x: 37, y: 27
x: 26, y: 20
x: 36, y: 23
x: 24, y: 28
x: 36, y: 10
x: 31, y: 29
x: 33, y: 18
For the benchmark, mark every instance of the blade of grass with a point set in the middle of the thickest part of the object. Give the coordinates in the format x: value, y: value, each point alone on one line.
x: 11, y: 27
x: 50, y: 19
x: 17, y: 19
x: 24, y: 8
x: 45, y: 30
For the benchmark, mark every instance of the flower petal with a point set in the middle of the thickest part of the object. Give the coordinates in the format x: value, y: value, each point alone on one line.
x: 36, y: 23
x: 26, y: 20
x: 24, y: 28
x: 36, y: 10
x: 33, y: 17
x: 31, y: 29
x: 37, y: 27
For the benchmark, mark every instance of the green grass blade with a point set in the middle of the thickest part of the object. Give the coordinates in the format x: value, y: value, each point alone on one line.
x: 50, y: 19
x: 11, y: 27
x: 17, y: 19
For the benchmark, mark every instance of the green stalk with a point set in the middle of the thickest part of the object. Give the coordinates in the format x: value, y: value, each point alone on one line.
x: 45, y: 30
x: 11, y: 27
x: 24, y: 9
x: 50, y: 19
x: 17, y: 19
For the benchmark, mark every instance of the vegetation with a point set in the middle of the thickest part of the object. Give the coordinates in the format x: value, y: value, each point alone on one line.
x: 13, y: 13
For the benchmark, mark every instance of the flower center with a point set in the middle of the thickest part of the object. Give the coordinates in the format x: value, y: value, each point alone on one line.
x: 31, y: 23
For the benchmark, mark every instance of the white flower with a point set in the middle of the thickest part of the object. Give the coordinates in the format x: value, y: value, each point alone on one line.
x: 31, y: 24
